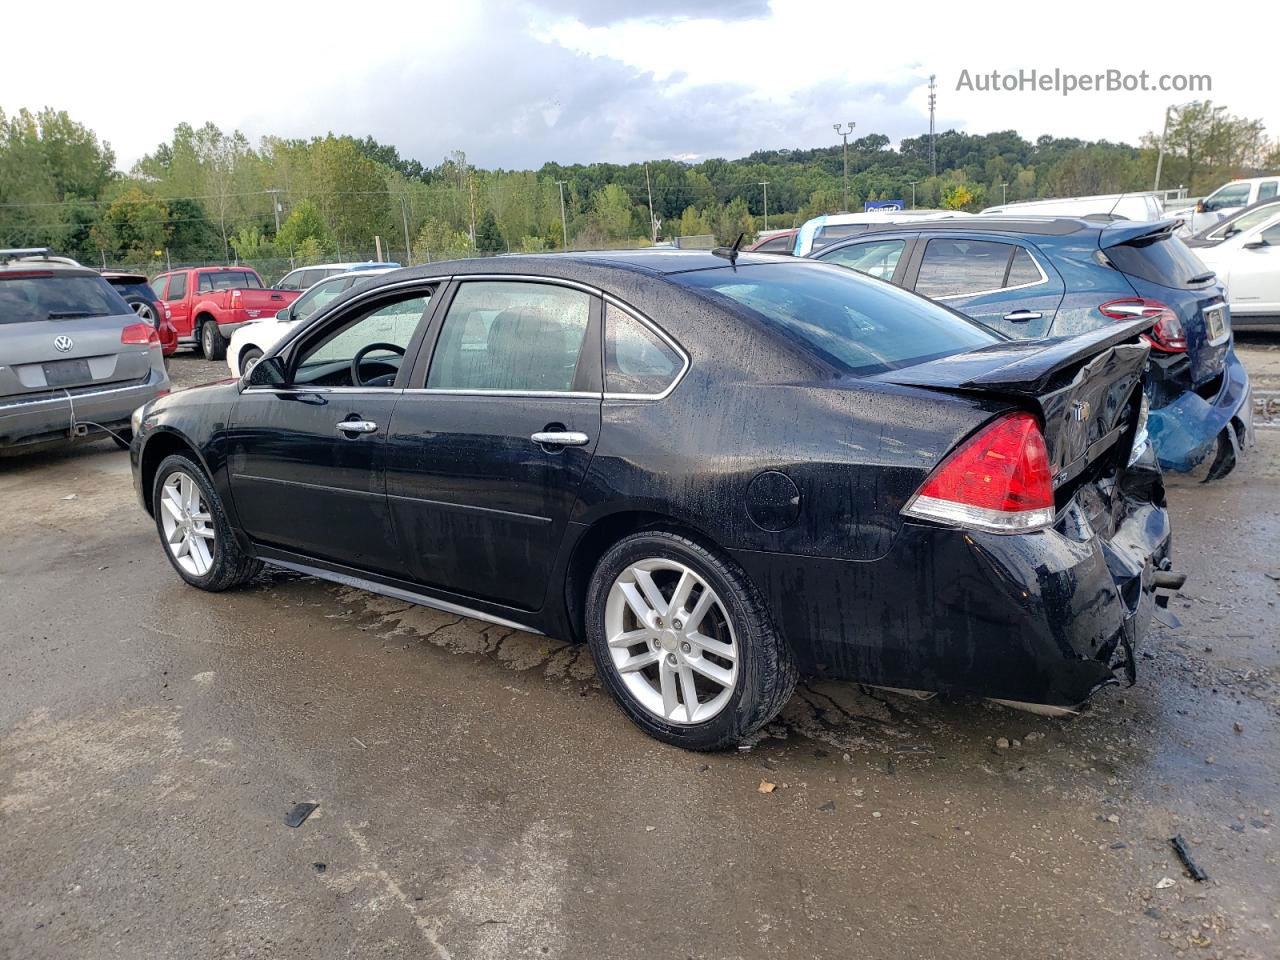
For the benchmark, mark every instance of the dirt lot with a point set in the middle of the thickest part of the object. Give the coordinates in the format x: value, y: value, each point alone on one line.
x: 481, y: 797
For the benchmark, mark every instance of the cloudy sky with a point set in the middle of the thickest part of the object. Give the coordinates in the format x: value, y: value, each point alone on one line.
x: 517, y: 82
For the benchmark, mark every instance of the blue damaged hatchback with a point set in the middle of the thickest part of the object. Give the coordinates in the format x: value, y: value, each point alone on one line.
x: 1032, y: 277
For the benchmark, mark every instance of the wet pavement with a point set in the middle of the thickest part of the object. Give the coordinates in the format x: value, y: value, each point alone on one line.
x: 480, y: 796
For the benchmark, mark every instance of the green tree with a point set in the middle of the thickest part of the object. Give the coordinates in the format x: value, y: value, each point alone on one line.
x: 690, y: 224
x: 610, y: 219
x: 305, y: 222
x: 135, y: 227
x: 438, y: 240
x: 488, y: 236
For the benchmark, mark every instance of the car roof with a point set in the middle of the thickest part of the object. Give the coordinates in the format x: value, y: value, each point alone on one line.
x: 992, y: 223
x: 119, y: 276
x: 350, y: 265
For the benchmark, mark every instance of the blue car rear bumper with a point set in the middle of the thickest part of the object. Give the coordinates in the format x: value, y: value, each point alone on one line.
x: 1186, y: 431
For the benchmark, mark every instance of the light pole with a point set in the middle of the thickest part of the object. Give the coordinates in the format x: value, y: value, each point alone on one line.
x: 1003, y: 193
x: 913, y: 192
x: 765, y: 184
x: 564, y: 227
x: 844, y: 135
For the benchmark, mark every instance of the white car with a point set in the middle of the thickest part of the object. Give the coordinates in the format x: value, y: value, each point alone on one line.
x: 253, y: 339
x: 831, y: 227
x: 305, y: 277
x: 1229, y: 198
x: 1141, y: 207
x: 1248, y: 262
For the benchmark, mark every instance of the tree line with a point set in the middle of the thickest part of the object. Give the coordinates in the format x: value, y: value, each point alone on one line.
x: 210, y: 195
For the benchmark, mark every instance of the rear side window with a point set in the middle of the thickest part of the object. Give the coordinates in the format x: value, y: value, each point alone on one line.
x: 959, y: 267
x: 1267, y: 190
x: 838, y: 231
x: 158, y: 286
x: 636, y: 360
x: 177, y: 287
x: 229, y: 280
x: 856, y: 324
x: 1023, y: 270
x: 510, y: 335
x: 1164, y: 260
x: 34, y: 297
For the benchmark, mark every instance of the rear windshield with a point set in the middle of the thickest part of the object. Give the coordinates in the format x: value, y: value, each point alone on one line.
x: 1165, y: 260
x: 38, y: 297
x: 859, y: 325
x: 230, y: 280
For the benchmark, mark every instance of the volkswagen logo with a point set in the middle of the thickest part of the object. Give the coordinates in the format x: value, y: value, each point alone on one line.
x: 63, y: 344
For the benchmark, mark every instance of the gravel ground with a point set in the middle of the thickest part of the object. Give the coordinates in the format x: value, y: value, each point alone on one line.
x: 479, y: 796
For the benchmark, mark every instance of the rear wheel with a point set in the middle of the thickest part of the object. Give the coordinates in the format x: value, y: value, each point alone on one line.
x: 683, y: 642
x: 212, y: 343
x: 194, y: 529
x: 145, y: 311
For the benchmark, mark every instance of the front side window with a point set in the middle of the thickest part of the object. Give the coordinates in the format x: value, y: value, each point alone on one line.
x: 511, y: 336
x: 876, y: 258
x: 859, y: 327
x: 365, y: 351
x: 957, y: 267
x: 290, y: 281
x: 1271, y: 236
x: 636, y: 360
x: 157, y: 285
x: 177, y: 287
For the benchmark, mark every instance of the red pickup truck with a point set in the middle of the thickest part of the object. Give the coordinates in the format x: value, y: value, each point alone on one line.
x: 208, y: 303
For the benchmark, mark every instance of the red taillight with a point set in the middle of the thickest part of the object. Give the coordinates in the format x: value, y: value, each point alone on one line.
x: 235, y: 299
x: 1167, y: 335
x: 138, y: 334
x: 997, y: 480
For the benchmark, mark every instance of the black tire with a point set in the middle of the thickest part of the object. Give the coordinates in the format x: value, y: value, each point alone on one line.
x: 248, y: 357
x: 766, y: 675
x: 231, y: 565
x: 212, y: 343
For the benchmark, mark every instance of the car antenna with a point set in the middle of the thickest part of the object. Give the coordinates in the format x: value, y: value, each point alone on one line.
x: 730, y: 253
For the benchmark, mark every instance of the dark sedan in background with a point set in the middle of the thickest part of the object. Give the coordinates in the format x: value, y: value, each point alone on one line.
x: 717, y: 470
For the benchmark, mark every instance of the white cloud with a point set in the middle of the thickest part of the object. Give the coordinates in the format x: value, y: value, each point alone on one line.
x: 517, y: 83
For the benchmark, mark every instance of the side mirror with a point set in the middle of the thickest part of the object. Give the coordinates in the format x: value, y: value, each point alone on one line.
x: 267, y: 372
x: 1256, y: 245
x: 286, y: 314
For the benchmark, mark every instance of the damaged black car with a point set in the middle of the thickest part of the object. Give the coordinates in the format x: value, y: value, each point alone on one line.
x: 719, y: 471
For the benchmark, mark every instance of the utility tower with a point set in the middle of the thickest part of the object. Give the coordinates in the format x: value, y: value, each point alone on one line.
x: 933, y: 134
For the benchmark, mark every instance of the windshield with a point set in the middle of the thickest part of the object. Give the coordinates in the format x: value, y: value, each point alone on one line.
x: 1163, y: 259
x: 1246, y: 220
x: 33, y: 297
x: 318, y: 296
x: 859, y: 325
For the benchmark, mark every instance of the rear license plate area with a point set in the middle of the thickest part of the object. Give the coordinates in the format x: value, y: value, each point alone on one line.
x: 1215, y: 322
x: 65, y: 373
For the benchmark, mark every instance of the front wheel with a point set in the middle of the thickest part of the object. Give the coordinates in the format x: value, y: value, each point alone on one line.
x: 194, y: 529
x: 248, y: 359
x: 683, y: 642
x: 212, y: 343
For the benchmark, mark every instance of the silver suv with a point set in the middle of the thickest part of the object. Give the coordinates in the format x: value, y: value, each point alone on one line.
x: 75, y: 360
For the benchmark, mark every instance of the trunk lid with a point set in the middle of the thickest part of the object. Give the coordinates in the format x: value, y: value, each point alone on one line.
x: 1086, y: 389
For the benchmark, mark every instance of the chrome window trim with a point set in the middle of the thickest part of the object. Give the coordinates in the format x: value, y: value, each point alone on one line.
x: 660, y: 334
x: 451, y: 392
x: 1044, y: 277
x: 376, y: 391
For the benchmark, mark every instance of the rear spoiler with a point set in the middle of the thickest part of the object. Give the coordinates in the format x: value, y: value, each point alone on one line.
x: 1119, y: 233
x: 1024, y: 367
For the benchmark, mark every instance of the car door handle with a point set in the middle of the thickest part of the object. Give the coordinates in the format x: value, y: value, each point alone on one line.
x: 559, y: 438
x: 1023, y: 316
x: 357, y: 426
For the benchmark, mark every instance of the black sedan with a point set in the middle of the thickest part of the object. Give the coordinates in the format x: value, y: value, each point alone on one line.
x: 718, y: 472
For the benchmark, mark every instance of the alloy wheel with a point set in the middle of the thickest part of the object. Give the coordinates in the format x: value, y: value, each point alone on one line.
x: 144, y: 312
x: 671, y: 641
x: 187, y: 524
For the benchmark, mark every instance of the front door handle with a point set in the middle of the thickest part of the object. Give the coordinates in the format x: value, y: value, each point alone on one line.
x: 357, y: 426
x: 1023, y: 316
x: 561, y: 438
